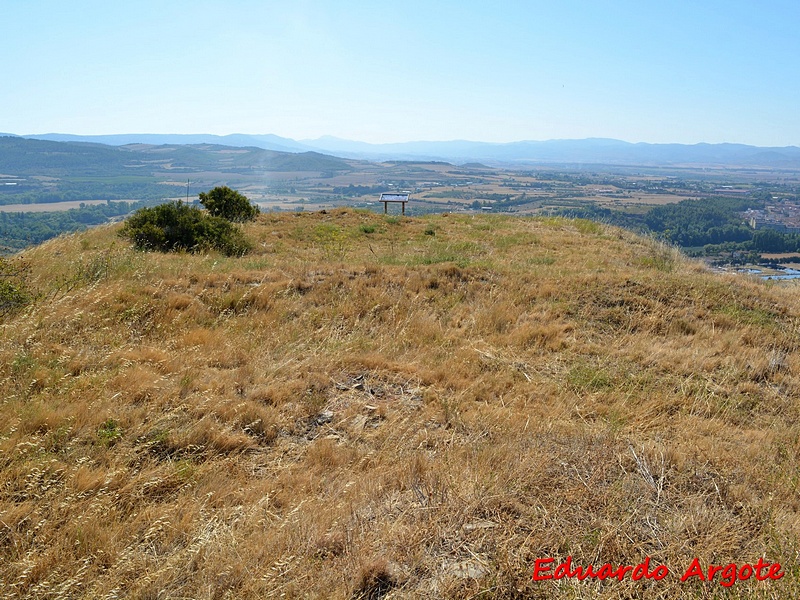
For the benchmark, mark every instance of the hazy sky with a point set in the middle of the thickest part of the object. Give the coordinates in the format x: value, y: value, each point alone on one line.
x: 377, y: 71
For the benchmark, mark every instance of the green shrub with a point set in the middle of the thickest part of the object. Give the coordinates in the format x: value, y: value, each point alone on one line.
x: 228, y: 204
x: 178, y: 226
x: 109, y: 432
x: 14, y: 293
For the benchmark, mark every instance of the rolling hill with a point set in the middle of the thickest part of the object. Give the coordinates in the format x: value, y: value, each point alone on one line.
x: 375, y: 407
x: 22, y: 156
x: 268, y: 142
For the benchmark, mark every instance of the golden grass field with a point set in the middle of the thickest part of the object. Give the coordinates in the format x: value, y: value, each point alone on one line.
x: 370, y: 407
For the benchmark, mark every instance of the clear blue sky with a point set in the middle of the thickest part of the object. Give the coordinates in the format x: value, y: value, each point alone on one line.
x: 637, y: 70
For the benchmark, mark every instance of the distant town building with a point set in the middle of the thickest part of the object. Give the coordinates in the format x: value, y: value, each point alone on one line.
x: 783, y: 217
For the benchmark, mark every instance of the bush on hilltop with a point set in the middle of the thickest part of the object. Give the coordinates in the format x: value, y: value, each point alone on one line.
x: 179, y: 226
x: 228, y: 204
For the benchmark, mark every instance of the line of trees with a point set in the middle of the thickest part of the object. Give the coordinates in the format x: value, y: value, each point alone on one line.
x: 77, y: 191
x: 689, y: 223
x: 769, y: 240
x: 19, y: 230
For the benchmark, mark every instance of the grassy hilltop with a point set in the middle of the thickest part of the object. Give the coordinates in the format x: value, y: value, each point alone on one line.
x: 372, y: 407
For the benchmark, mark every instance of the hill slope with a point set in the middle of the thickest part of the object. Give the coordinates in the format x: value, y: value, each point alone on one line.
x: 21, y: 156
x: 268, y: 142
x: 369, y: 407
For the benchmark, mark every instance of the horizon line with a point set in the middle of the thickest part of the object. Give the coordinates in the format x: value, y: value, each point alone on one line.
x: 417, y: 141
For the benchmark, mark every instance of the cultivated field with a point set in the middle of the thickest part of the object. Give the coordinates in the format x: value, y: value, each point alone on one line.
x: 52, y: 206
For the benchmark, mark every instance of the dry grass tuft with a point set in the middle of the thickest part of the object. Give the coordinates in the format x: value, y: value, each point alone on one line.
x: 375, y: 580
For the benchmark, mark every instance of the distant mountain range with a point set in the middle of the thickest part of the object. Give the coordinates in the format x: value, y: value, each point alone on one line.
x: 588, y: 151
x: 25, y: 156
x: 567, y: 152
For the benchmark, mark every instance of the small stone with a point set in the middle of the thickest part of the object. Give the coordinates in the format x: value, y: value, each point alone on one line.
x: 467, y: 569
x: 479, y: 525
x: 359, y: 421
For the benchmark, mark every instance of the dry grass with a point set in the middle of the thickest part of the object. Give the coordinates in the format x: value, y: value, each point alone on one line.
x: 394, y: 414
